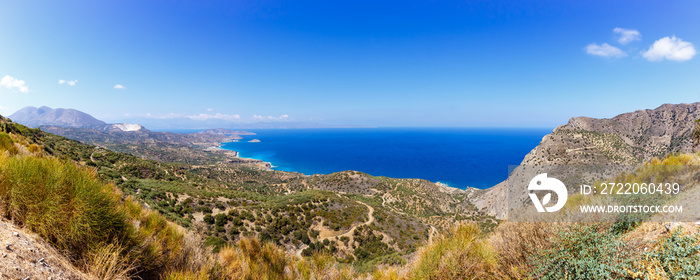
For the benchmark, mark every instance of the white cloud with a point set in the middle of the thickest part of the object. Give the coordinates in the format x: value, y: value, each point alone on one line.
x: 119, y: 87
x: 165, y: 116
x: 70, y: 83
x: 627, y: 35
x: 9, y: 82
x: 217, y: 116
x: 155, y: 116
x: 670, y: 48
x: 200, y: 117
x: 209, y: 109
x: 271, y: 118
x: 604, y: 50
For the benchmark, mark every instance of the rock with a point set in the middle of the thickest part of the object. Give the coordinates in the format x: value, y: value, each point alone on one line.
x: 15, y: 233
x: 671, y: 226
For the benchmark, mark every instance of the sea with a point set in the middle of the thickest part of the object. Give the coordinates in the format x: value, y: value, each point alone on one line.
x: 457, y: 157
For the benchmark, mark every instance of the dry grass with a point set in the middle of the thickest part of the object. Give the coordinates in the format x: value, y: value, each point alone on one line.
x: 251, y: 259
x: 106, y: 262
x: 460, y: 254
x: 515, y: 243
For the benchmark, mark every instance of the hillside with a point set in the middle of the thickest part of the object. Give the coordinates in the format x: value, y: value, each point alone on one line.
x: 188, y: 148
x: 355, y: 217
x: 625, y: 140
x: 133, y: 217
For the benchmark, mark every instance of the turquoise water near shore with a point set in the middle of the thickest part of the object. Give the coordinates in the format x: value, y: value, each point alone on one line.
x: 458, y: 157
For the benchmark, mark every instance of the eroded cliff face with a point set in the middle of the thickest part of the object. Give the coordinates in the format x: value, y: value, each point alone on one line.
x: 627, y: 139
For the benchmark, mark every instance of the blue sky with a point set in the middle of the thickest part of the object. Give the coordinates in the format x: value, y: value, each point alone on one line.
x: 378, y: 63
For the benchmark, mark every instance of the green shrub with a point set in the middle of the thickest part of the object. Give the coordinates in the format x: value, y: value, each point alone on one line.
x: 215, y: 242
x: 677, y: 257
x: 60, y: 201
x: 71, y: 208
x: 209, y: 219
x: 582, y: 252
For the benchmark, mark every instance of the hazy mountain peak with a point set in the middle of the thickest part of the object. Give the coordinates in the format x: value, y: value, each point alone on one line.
x: 35, y: 117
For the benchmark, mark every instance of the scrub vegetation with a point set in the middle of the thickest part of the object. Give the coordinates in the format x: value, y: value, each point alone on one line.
x: 116, y: 216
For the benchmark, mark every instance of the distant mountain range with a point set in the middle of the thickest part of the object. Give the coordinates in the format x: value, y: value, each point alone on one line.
x: 134, y: 138
x: 67, y: 118
x: 46, y: 116
x: 35, y: 117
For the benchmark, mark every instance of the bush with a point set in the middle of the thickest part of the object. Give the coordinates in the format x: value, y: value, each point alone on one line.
x: 221, y: 219
x: 674, y: 257
x: 209, y: 219
x: 6, y: 144
x: 582, y: 252
x: 65, y: 204
x: 215, y: 242
x: 88, y: 220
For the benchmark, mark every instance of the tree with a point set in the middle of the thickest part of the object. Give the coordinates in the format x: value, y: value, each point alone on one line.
x: 208, y: 219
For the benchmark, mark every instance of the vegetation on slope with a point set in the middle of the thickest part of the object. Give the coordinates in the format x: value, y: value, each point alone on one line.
x: 83, y: 217
x: 50, y: 188
x: 225, y: 203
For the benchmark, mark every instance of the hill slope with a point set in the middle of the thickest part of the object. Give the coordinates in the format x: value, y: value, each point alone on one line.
x: 352, y: 216
x: 340, y: 218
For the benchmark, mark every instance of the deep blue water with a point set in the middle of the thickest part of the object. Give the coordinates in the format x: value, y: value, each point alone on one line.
x: 459, y: 157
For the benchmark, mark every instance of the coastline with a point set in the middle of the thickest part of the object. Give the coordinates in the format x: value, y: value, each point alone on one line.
x: 445, y: 188
x: 460, y: 158
x: 235, y: 159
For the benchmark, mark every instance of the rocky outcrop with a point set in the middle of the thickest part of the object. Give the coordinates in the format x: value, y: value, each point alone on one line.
x: 25, y: 255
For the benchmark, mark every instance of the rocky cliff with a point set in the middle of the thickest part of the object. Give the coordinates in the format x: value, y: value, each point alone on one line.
x: 627, y: 139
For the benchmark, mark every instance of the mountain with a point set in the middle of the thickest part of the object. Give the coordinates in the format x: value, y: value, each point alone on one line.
x: 35, y: 117
x: 622, y: 141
